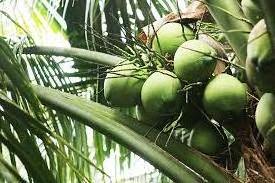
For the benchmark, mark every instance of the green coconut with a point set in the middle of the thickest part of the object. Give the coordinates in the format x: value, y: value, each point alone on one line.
x: 206, y: 138
x: 252, y: 10
x: 169, y: 37
x: 265, y: 114
x: 160, y: 94
x: 260, y: 64
x: 122, y: 85
x: 194, y: 61
x: 224, y: 96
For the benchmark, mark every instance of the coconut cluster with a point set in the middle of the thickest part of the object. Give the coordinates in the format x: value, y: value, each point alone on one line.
x: 260, y: 65
x: 185, y: 93
x: 191, y: 91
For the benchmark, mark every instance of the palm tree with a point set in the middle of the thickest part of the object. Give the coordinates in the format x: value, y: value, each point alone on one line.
x: 47, y: 108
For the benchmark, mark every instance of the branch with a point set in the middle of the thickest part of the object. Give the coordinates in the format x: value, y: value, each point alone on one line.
x: 130, y: 132
x: 86, y: 55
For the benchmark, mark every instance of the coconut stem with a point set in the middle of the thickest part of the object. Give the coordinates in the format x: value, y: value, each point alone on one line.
x: 88, y: 56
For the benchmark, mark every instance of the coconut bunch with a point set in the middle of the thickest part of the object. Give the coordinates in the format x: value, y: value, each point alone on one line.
x: 188, y: 92
x: 260, y: 65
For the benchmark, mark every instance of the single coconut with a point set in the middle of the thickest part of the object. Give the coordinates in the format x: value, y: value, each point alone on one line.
x: 122, y: 85
x: 224, y: 96
x: 265, y: 115
x: 160, y: 94
x: 194, y: 61
x: 206, y: 138
x: 169, y: 37
x: 252, y: 10
x: 260, y: 64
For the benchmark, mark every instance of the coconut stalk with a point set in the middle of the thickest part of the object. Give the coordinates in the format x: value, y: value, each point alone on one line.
x: 267, y: 7
x: 85, y: 55
x: 125, y: 130
x: 229, y: 16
